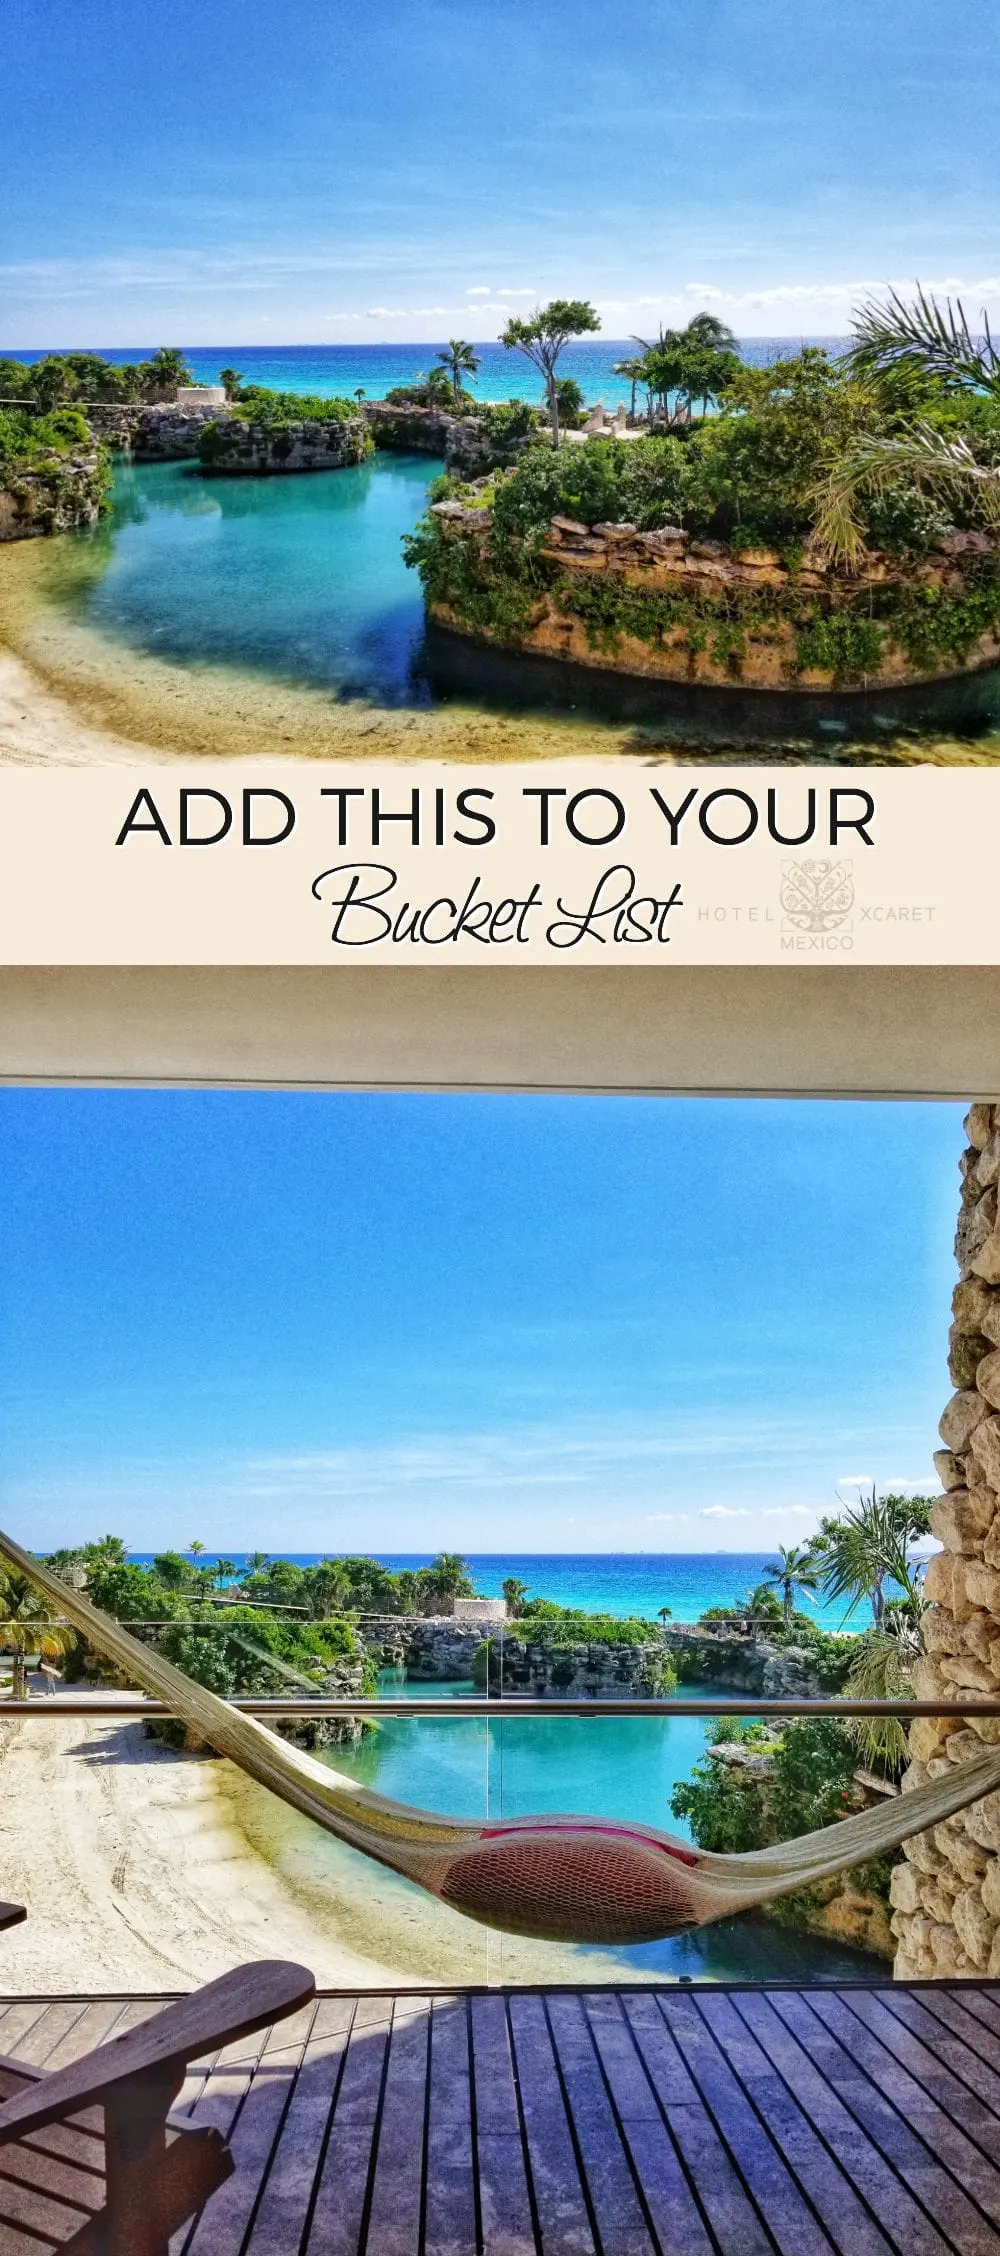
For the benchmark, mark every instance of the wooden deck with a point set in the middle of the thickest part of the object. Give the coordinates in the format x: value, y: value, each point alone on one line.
x: 672, y: 2122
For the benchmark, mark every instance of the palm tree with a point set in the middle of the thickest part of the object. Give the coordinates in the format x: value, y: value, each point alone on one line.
x: 515, y: 1593
x: 927, y: 339
x: 868, y: 1546
x: 26, y: 1619
x: 633, y: 371
x: 459, y: 360
x: 360, y: 393
x: 195, y: 1549
x: 665, y: 1614
x: 447, y: 1577
x: 880, y: 1670
x: 793, y: 1571
x: 930, y: 341
x: 231, y: 379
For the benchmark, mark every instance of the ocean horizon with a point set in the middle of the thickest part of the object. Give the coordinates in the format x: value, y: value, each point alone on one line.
x: 339, y: 371
x: 618, y: 1583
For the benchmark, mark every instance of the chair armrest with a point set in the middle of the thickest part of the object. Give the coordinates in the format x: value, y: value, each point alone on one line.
x: 248, y: 1998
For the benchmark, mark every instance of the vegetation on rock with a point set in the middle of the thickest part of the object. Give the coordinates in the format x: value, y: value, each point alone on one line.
x: 757, y: 481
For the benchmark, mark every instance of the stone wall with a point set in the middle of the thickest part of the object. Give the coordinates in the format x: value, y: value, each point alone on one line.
x: 947, y: 1892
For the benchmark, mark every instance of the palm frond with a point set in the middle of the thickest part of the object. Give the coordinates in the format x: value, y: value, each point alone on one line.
x: 880, y: 1670
x: 946, y: 466
x: 925, y: 335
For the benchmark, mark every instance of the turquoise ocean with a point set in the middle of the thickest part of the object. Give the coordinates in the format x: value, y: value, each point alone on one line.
x: 338, y: 371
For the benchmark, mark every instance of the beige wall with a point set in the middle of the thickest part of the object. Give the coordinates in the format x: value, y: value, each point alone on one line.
x: 804, y: 1030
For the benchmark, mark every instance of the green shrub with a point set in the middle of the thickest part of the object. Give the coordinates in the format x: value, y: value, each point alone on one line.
x: 257, y: 404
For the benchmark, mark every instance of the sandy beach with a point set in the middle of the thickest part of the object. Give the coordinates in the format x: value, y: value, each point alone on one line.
x: 146, y: 1870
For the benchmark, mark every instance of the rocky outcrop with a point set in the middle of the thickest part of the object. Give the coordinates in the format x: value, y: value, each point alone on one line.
x: 669, y: 606
x: 735, y: 1663
x: 946, y: 1895
x: 540, y: 1668
x: 439, y: 1648
x: 54, y: 496
x: 228, y: 447
x: 151, y: 433
x: 431, y: 1648
x: 409, y: 430
x: 843, y: 1908
x: 470, y: 445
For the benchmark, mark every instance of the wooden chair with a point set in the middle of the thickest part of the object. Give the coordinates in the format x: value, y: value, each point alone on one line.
x: 90, y: 2162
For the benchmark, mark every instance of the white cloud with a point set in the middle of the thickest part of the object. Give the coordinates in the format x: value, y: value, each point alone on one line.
x: 724, y: 1512
x: 674, y: 1516
x: 407, y: 313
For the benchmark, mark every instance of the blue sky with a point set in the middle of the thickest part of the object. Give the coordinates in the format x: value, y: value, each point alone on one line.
x: 316, y: 172
x: 366, y: 1322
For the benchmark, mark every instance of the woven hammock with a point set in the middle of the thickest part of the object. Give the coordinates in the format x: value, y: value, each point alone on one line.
x: 565, y: 1879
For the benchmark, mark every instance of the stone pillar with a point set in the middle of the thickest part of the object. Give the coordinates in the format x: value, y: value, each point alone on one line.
x: 947, y: 1893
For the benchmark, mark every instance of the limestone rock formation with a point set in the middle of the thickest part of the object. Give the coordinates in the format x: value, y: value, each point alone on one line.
x: 946, y: 1896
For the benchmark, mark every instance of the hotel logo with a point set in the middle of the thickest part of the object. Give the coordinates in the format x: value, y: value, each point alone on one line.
x: 816, y: 896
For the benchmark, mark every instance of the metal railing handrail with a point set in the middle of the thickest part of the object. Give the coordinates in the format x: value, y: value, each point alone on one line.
x: 128, y: 1704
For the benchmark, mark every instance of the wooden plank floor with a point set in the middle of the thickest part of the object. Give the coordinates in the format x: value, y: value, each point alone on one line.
x: 672, y: 2122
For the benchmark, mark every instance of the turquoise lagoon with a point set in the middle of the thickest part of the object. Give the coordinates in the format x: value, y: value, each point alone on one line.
x: 300, y: 578
x: 607, y: 1766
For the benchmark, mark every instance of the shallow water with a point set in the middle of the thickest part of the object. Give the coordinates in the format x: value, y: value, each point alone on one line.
x: 299, y: 577
x: 606, y: 1766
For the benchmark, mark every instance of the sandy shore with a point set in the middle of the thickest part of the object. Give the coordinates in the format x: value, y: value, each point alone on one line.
x: 147, y: 1870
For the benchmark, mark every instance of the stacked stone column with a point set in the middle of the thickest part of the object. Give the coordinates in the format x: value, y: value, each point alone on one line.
x: 947, y: 1892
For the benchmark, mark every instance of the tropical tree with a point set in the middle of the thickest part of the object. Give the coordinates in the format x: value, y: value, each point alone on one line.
x: 165, y: 373
x: 196, y: 1549
x: 542, y: 336
x: 459, y: 360
x: 231, y: 379
x: 515, y: 1591
x: 632, y: 370
x: 446, y: 1578
x: 665, y: 1614
x: 858, y: 1553
x: 930, y: 345
x: 27, y: 1623
x: 793, y: 1572
x: 224, y: 1571
x: 881, y: 1670
x: 926, y: 339
x: 934, y: 462
x: 172, y: 1569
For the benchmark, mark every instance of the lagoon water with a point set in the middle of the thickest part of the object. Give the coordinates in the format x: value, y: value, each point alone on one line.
x: 608, y: 1766
x: 299, y: 578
